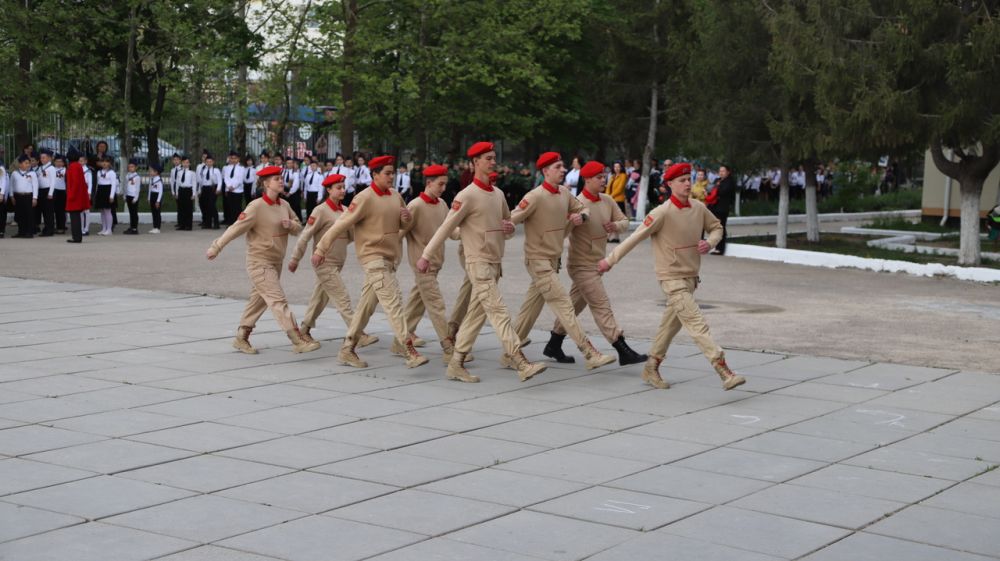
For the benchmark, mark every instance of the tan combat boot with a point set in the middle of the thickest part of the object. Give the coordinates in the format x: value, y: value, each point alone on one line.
x: 447, y: 350
x: 505, y: 359
x: 417, y: 341
x: 593, y: 357
x: 651, y: 373
x: 366, y: 340
x: 729, y: 380
x: 397, y: 348
x: 526, y: 370
x: 306, y: 335
x: 242, y: 341
x: 348, y: 356
x: 456, y: 370
x: 413, y: 358
x: 299, y: 343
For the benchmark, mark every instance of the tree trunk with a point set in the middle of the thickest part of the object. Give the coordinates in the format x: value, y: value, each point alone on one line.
x: 24, y: 56
x: 347, y: 86
x: 126, y: 154
x: 781, y: 239
x: 647, y: 153
x: 812, y: 208
x: 153, y: 128
x: 241, y: 97
x: 969, y: 252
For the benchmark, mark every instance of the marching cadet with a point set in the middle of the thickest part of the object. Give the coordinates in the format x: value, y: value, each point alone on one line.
x: 46, y: 173
x: 185, y: 195
x: 546, y: 211
x: 587, y: 243
x: 481, y: 214
x: 267, y: 222
x: 4, y: 199
x: 313, y: 186
x: 77, y: 194
x: 329, y: 285
x: 677, y: 228
x: 155, y: 195
x: 233, y: 175
x: 104, y: 197
x: 428, y: 213
x: 59, y: 190
x: 210, y: 184
x: 376, y: 215
x: 292, y: 186
x: 24, y: 189
x: 133, y: 183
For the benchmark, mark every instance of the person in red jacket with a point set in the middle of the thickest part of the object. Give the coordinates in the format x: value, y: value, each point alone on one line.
x: 77, y: 198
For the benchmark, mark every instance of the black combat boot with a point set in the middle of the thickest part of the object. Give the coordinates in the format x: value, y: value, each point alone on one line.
x: 553, y: 349
x: 625, y: 353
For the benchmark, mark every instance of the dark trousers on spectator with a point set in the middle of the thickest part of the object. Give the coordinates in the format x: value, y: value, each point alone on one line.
x: 185, y: 208
x: 209, y: 208
x: 76, y: 225
x: 232, y: 205
x: 723, y: 217
x: 44, y: 214
x: 133, y: 213
x: 295, y: 201
x: 312, y: 199
x: 24, y: 215
x: 3, y: 216
x: 248, y: 194
x: 59, y: 207
x: 155, y: 211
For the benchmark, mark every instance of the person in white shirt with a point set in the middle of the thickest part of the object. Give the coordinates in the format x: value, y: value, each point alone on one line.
x: 290, y: 177
x: 132, y: 185
x: 249, y: 179
x: 233, y: 175
x: 210, y: 184
x: 348, y: 173
x: 107, y: 190
x: 403, y: 183
x: 362, y: 176
x: 572, y: 179
x: 313, y: 186
x: 155, y: 195
x: 59, y: 193
x: 46, y: 174
x: 175, y: 170
x: 4, y: 199
x: 89, y: 174
x: 185, y: 195
x: 24, y: 189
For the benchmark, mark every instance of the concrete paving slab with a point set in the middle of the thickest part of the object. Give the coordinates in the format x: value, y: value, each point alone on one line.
x: 943, y: 528
x: 576, y: 466
x: 110, y: 456
x: 540, y: 433
x: 756, y: 465
x: 690, y: 484
x: 29, y: 439
x: 206, y: 473
x: 17, y: 475
x: 381, y: 435
x: 618, y: 507
x: 443, y: 549
x: 916, y: 462
x: 307, y: 491
x: 640, y: 448
x: 297, y: 452
x: 94, y: 541
x: 503, y: 487
x: 395, y: 468
x: 214, y: 553
x: 120, y: 423
x: 475, y: 450
x: 287, y: 420
x: 802, y: 446
x: 869, y: 547
x: 833, y: 508
x: 653, y: 546
x: 431, y: 514
x: 99, y: 497
x: 17, y: 521
x: 874, y: 483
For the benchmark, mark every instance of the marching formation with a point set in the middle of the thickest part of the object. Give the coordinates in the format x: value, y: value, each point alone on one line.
x: 378, y: 219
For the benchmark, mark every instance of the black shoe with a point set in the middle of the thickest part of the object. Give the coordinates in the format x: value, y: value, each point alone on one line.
x: 130, y: 232
x: 45, y: 235
x: 553, y: 349
x: 625, y: 353
x: 216, y: 227
x: 74, y: 241
x: 61, y: 231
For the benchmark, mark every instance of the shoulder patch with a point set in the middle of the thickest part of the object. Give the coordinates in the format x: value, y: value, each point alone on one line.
x: 242, y: 216
x: 352, y: 207
x: 311, y: 220
x: 456, y: 205
x: 523, y: 204
x: 648, y: 221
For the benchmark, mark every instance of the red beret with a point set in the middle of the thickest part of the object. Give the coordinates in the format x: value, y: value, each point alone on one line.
x: 479, y: 149
x: 333, y: 178
x: 269, y: 171
x: 379, y: 161
x: 677, y: 170
x: 547, y: 159
x: 591, y: 169
x: 437, y: 170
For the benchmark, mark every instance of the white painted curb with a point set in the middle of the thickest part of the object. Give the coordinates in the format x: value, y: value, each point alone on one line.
x: 834, y: 261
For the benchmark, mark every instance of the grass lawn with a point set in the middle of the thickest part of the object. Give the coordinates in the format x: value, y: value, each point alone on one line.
x: 850, y: 244
x: 910, y: 226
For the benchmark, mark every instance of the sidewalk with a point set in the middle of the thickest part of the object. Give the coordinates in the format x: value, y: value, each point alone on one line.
x: 130, y: 430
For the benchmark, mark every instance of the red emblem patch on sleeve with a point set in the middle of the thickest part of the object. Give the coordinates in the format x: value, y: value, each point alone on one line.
x: 648, y: 221
x: 311, y: 220
x: 242, y: 216
x: 455, y: 205
x: 352, y: 207
x: 523, y: 204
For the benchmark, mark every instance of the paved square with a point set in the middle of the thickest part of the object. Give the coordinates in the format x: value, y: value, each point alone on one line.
x: 137, y: 433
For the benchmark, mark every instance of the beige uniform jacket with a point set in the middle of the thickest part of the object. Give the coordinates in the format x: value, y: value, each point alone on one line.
x: 545, y: 212
x: 676, y: 231
x: 374, y: 215
x: 267, y: 240
x: 478, y: 211
x: 322, y: 219
x: 427, y: 216
x: 588, y: 241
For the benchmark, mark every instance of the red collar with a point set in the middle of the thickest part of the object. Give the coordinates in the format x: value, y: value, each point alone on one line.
x: 427, y: 198
x: 379, y: 192
x: 591, y: 198
x: 336, y: 207
x: 481, y: 185
x: 677, y: 202
x: 549, y: 188
x: 268, y: 201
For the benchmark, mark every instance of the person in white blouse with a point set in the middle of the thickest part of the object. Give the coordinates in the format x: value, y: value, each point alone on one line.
x: 290, y: 177
x: 59, y: 188
x: 107, y: 189
x: 46, y: 174
x: 133, y: 183
x: 185, y: 195
x: 233, y: 175
x: 362, y: 175
x: 4, y: 198
x: 403, y: 183
x: 313, y: 181
x: 210, y: 185
x: 24, y: 189
x: 155, y: 195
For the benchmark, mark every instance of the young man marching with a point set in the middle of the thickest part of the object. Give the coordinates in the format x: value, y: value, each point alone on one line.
x: 676, y: 228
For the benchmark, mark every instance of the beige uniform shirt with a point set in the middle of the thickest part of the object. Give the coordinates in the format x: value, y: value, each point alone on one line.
x: 478, y: 211
x: 588, y: 241
x: 374, y: 215
x: 676, y: 232
x: 428, y: 215
x: 321, y: 220
x: 267, y: 240
x: 545, y: 212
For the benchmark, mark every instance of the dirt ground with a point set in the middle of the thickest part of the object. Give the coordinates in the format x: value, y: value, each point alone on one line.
x: 749, y: 304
